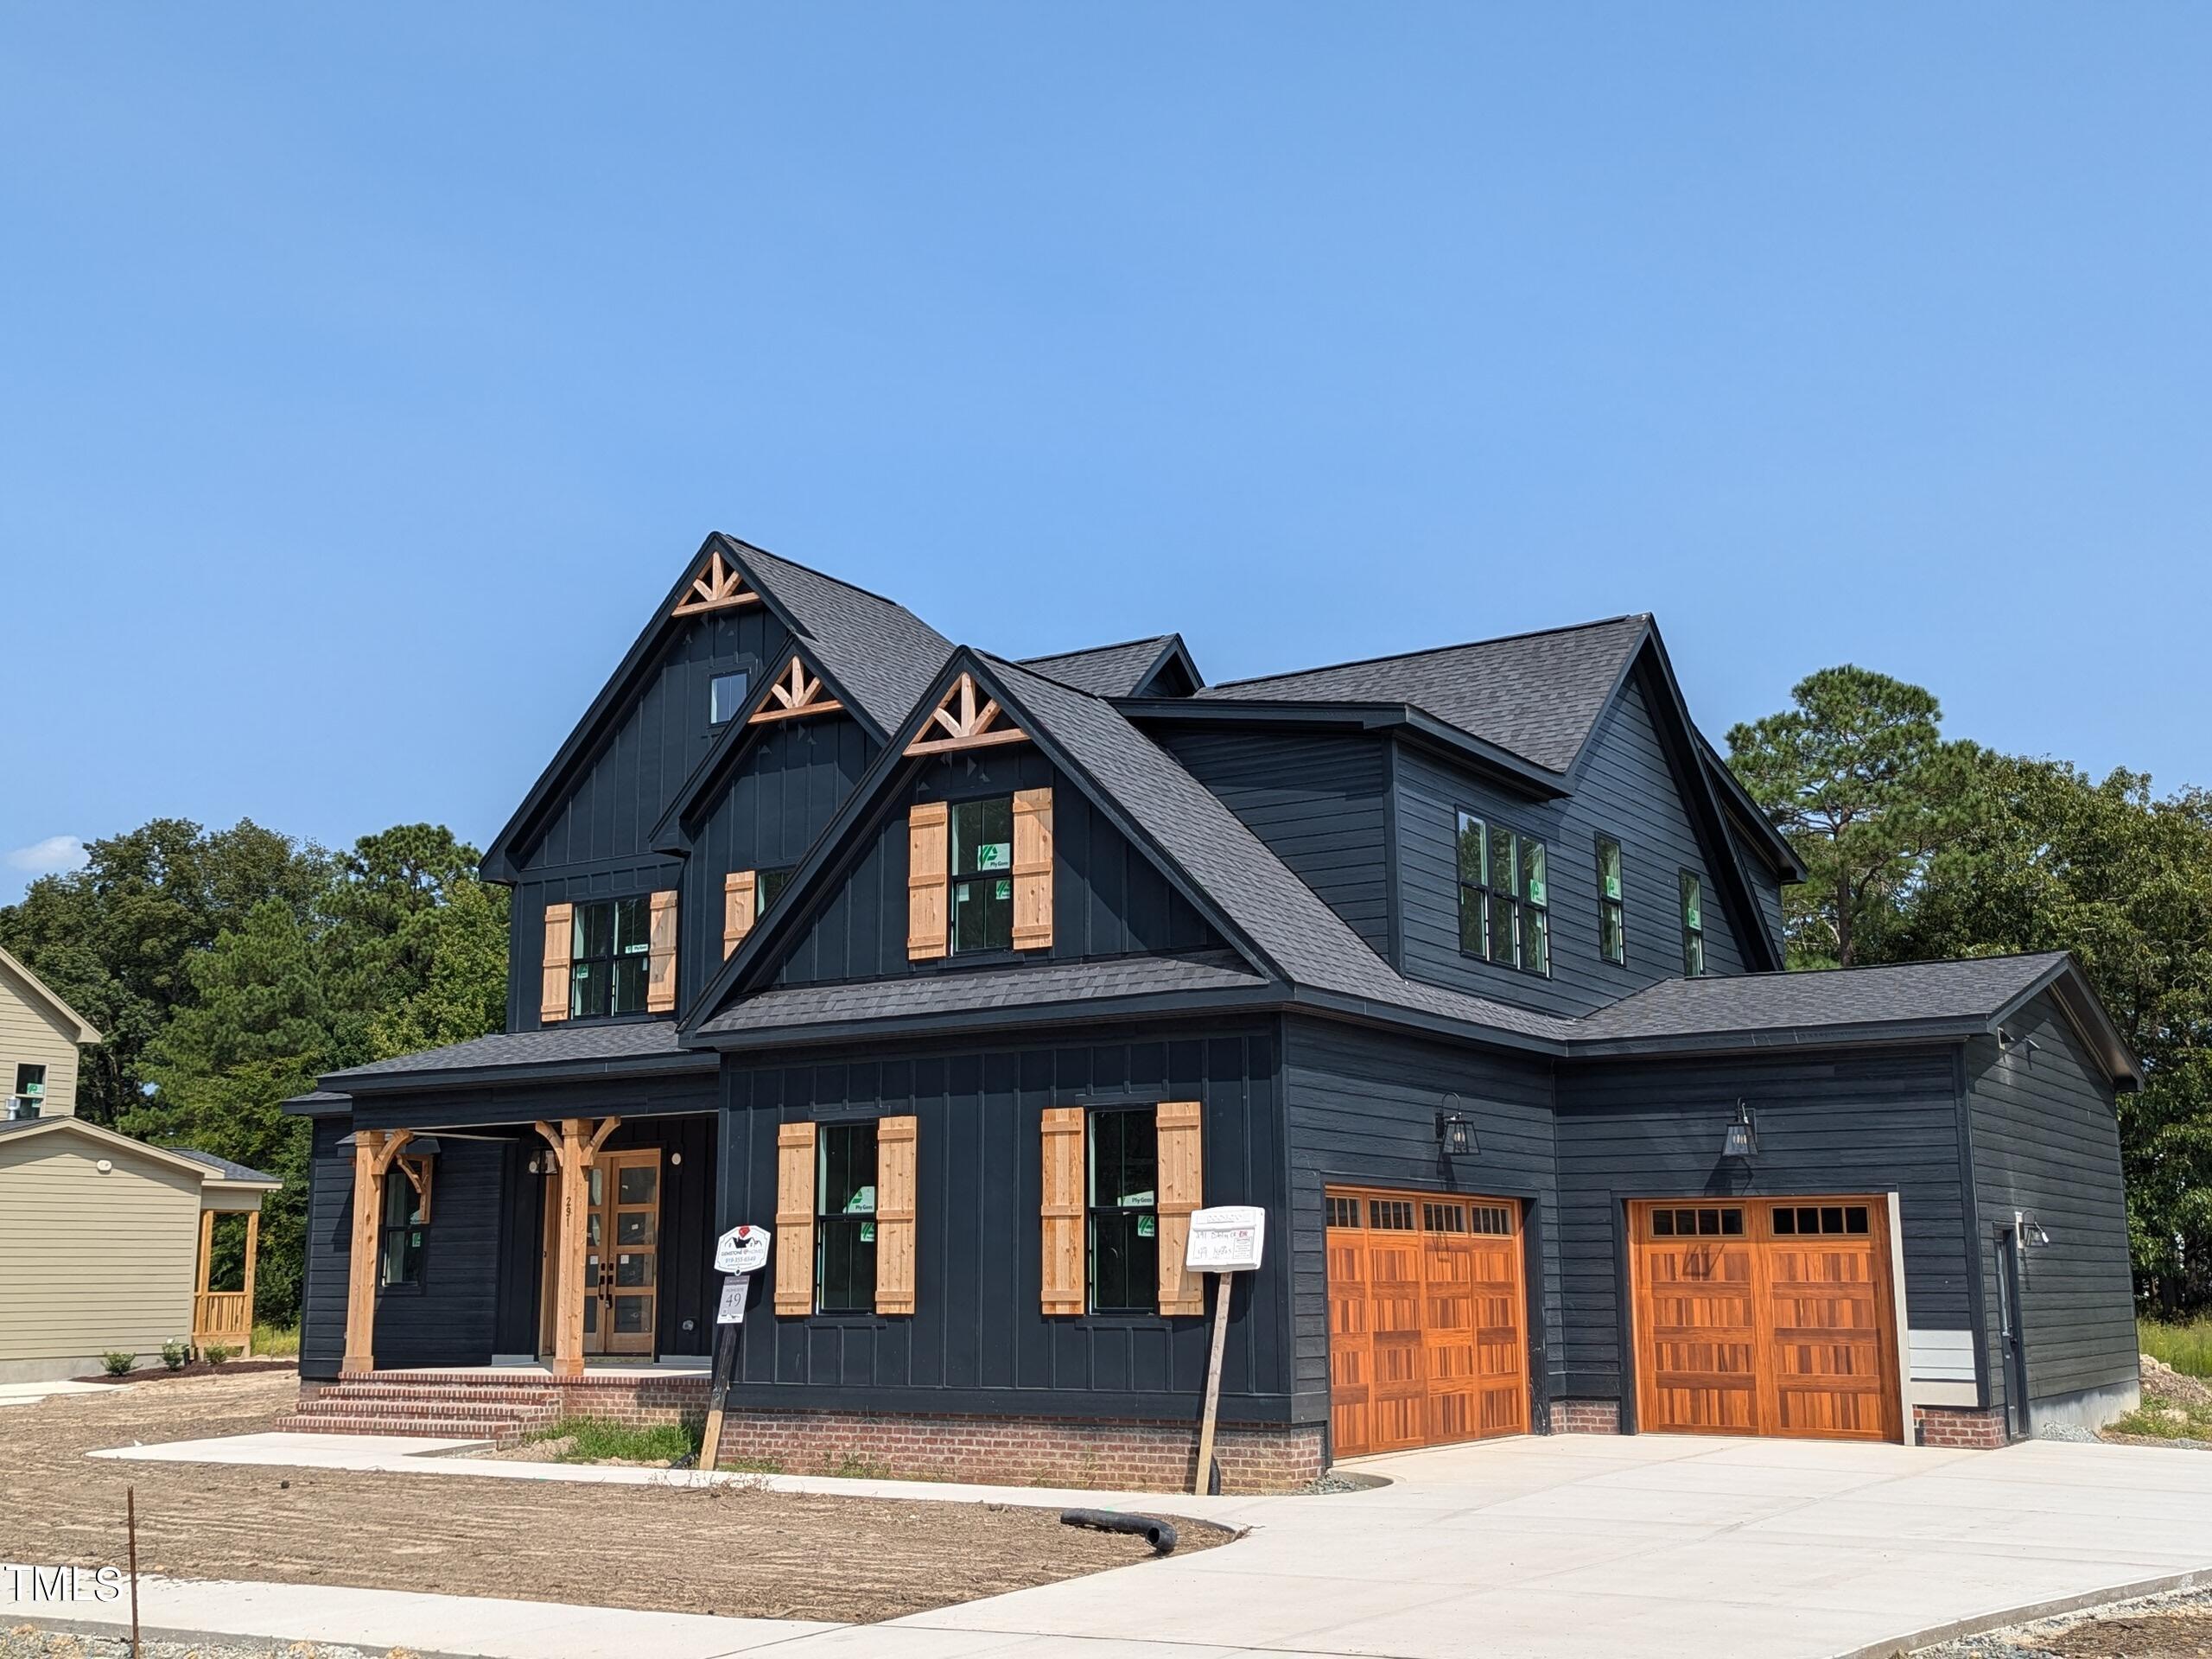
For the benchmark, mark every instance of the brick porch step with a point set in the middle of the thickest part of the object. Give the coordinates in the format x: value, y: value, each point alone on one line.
x: 460, y: 1428
x: 448, y: 1406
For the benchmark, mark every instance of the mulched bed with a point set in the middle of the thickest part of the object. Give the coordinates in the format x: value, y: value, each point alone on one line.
x: 196, y: 1368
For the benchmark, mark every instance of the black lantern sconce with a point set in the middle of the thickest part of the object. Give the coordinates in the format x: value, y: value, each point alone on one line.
x: 1455, y: 1131
x: 1741, y: 1138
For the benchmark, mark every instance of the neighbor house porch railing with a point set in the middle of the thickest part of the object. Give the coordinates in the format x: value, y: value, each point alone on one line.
x: 221, y: 1319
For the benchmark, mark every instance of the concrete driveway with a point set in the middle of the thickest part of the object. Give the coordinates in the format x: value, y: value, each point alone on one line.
x: 1651, y: 1546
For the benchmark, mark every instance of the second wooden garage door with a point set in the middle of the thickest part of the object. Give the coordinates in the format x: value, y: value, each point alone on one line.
x: 1427, y: 1343
x: 1766, y: 1316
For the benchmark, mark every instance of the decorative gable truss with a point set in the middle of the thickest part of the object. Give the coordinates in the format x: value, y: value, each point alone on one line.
x: 965, y: 719
x: 795, y: 692
x: 716, y: 587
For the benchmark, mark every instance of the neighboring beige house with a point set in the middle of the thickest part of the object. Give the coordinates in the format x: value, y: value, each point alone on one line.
x: 103, y: 1240
x: 39, y: 1035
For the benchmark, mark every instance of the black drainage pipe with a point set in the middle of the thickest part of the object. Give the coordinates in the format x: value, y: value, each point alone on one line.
x: 1161, y: 1534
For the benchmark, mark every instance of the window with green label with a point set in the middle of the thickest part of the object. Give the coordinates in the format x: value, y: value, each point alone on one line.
x: 844, y: 1222
x: 983, y: 874
x: 1505, y: 896
x: 1613, y: 916
x: 609, y: 953
x: 1693, y: 923
x: 1124, y: 1178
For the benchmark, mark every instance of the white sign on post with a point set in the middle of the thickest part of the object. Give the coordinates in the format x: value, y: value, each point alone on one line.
x: 732, y: 1311
x: 1227, y: 1238
x: 741, y: 1249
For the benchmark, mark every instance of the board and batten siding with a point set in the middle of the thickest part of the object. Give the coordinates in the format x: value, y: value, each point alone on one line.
x: 622, y: 879
x: 91, y: 1262
x: 978, y: 1341
x: 1629, y: 791
x: 31, y: 1033
x: 1321, y: 804
x: 2046, y: 1142
x: 1109, y: 899
x: 1361, y: 1108
x: 1879, y: 1122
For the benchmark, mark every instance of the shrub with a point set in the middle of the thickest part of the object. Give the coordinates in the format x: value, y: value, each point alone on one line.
x: 175, y: 1352
x: 214, y: 1354
x: 118, y: 1365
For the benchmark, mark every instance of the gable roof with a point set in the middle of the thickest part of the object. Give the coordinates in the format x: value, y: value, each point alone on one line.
x: 39, y: 992
x: 874, y: 652
x: 227, y: 1173
x: 1127, y: 669
x: 1538, y: 695
x: 22, y: 1129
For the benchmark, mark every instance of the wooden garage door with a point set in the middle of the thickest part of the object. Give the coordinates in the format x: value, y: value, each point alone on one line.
x: 1425, y: 1312
x: 1766, y: 1316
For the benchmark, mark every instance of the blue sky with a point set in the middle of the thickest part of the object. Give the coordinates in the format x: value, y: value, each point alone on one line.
x: 368, y: 374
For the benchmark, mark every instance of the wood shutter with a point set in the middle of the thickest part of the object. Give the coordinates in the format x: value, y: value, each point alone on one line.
x: 741, y: 889
x: 660, y: 960
x: 1182, y: 1189
x: 929, y: 879
x: 794, y: 1220
x: 1060, y: 1211
x: 894, y: 1214
x: 1033, y: 869
x: 560, y: 954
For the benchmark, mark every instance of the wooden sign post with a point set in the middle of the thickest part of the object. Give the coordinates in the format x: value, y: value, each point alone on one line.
x: 739, y: 1253
x: 1227, y: 1239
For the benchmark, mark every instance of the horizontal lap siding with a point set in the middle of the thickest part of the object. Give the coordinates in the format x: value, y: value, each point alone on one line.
x: 1628, y: 792
x: 1362, y: 1110
x: 627, y: 879
x: 2046, y: 1141
x: 1766, y: 886
x: 1653, y: 1129
x: 1319, y: 803
x: 31, y: 1033
x: 93, y: 1262
x: 978, y: 1341
x: 1109, y: 900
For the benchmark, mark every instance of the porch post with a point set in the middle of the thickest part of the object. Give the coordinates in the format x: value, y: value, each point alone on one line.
x: 568, y: 1317
x: 252, y: 1249
x: 361, y: 1279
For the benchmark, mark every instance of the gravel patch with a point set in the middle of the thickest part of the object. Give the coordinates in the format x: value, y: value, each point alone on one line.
x: 2175, y: 1625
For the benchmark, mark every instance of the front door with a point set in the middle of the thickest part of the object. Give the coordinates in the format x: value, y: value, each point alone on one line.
x: 622, y: 1253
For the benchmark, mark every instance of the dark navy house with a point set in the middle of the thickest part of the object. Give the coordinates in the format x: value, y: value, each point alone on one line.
x: 973, y: 979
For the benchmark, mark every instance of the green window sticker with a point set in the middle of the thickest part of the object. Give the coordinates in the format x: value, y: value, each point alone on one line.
x: 995, y: 855
x: 1146, y: 1224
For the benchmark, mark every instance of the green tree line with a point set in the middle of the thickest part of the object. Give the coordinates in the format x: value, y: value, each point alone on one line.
x: 1922, y: 846
x: 227, y: 968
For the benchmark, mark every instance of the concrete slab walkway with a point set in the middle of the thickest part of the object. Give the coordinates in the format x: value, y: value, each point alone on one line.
x: 1551, y: 1548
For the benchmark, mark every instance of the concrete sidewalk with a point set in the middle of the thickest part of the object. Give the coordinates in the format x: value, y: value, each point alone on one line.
x: 1560, y: 1548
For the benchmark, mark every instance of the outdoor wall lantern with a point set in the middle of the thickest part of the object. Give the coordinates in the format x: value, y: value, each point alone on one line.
x: 2033, y: 1232
x: 1455, y: 1131
x: 1742, y: 1138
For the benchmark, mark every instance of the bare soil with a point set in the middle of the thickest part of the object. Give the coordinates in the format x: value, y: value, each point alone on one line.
x: 2176, y: 1625
x: 731, y: 1549
x: 194, y: 1368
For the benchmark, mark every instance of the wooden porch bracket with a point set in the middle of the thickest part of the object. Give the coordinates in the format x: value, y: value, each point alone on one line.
x: 373, y: 1151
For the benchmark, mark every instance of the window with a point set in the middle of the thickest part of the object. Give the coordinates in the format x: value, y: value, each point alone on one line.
x: 768, y: 886
x: 726, y: 694
x: 1124, y: 1209
x: 1505, y: 901
x: 30, y: 1091
x: 844, y: 1226
x: 1693, y: 925
x: 1390, y: 1215
x: 983, y: 875
x: 1696, y: 1223
x: 1612, y: 925
x: 406, y: 1219
x: 611, y: 942
x: 1806, y: 1220
x: 1344, y: 1212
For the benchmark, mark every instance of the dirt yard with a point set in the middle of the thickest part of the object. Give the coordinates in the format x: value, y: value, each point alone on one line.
x: 728, y: 1550
x: 2178, y: 1625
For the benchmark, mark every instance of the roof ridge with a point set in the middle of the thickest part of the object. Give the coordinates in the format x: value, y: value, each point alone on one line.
x: 850, y: 586
x: 1091, y: 650
x: 1855, y: 968
x: 1435, y: 650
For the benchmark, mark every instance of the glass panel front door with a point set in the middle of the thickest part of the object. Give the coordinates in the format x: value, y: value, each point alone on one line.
x: 622, y: 1253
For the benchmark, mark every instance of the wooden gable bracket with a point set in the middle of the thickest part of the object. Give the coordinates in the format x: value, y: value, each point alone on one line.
x: 959, y: 723
x: 716, y: 587
x: 796, y: 692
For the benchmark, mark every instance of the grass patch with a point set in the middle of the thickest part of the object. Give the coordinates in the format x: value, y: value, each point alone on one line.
x: 593, y: 1440
x: 2165, y: 1420
x: 276, y: 1342
x: 2187, y: 1347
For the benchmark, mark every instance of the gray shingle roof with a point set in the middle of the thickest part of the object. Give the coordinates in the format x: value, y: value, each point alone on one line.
x: 880, y: 652
x: 998, y: 988
x: 224, y: 1168
x: 1103, y: 670
x: 628, y: 1040
x: 1907, y: 991
x: 1537, y: 694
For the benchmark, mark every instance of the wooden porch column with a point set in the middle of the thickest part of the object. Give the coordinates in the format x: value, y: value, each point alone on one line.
x: 207, y: 1254
x: 574, y: 1146
x: 252, y: 1249
x: 373, y: 1151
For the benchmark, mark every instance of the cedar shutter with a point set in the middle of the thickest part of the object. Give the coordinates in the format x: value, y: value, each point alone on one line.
x: 894, y: 1214
x: 794, y: 1220
x: 1182, y: 1189
x: 1033, y: 869
x: 929, y: 879
x: 1060, y: 1210
x: 560, y: 954
x: 741, y: 888
x: 660, y: 960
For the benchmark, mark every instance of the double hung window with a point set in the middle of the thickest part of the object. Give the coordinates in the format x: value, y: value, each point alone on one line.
x: 1693, y: 925
x: 405, y: 1222
x: 1124, y: 1209
x: 610, y: 946
x: 1612, y: 922
x: 983, y: 875
x: 1504, y: 899
x: 844, y: 1224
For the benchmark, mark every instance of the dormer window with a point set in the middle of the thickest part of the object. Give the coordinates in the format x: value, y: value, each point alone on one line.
x: 726, y: 694
x: 1504, y: 899
x: 983, y: 875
